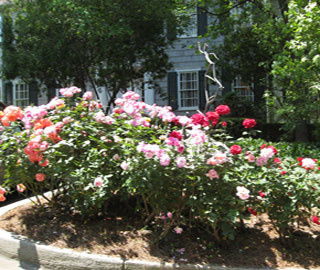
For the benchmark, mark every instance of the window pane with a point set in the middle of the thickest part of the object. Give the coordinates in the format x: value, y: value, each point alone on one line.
x: 188, y: 89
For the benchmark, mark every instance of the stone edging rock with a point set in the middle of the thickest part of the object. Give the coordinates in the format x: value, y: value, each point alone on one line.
x: 40, y: 255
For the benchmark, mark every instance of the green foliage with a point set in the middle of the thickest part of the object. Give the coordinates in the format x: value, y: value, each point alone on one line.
x: 275, y: 46
x: 102, y: 43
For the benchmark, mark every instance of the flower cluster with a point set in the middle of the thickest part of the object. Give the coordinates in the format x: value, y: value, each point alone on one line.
x: 174, y: 163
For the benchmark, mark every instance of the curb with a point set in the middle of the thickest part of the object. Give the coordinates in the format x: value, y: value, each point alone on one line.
x: 25, y: 250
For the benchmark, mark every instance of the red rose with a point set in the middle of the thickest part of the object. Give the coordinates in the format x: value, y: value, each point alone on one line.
x: 200, y: 119
x: 263, y: 146
x: 253, y: 212
x: 277, y: 160
x: 262, y: 195
x: 249, y: 123
x: 212, y: 116
x: 223, y: 109
x: 176, y: 134
x: 224, y: 124
x: 235, y: 149
x: 283, y: 172
x: 315, y: 220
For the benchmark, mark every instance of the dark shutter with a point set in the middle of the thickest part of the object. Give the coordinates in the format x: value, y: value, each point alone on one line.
x: 202, y: 21
x: 202, y: 87
x: 171, y: 31
x: 33, y: 93
x: 8, y: 93
x: 173, y: 90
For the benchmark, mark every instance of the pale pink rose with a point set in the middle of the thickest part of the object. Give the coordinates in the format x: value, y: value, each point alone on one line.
x: 99, y: 117
x: 131, y: 95
x: 267, y: 153
x: 124, y: 165
x: 198, y: 136
x: 243, y: 193
x: 184, y: 120
x: 44, y: 145
x: 181, y: 162
x: 261, y: 161
x: 108, y: 120
x: 169, y: 215
x: 212, y: 174
x: 308, y: 163
x: 217, y: 158
x: 116, y: 157
x: 98, y: 182
x: 67, y: 120
x: 164, y: 160
x: 59, y: 125
x: 87, y: 95
x: 178, y: 230
x: 129, y: 108
x: 250, y: 157
x: 38, y: 132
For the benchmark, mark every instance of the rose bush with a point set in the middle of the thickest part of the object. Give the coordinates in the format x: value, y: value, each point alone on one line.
x: 185, y: 167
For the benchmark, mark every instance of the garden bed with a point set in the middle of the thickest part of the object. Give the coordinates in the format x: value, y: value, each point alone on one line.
x: 257, y: 245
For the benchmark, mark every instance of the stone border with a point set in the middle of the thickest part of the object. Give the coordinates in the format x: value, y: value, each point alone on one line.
x: 25, y: 250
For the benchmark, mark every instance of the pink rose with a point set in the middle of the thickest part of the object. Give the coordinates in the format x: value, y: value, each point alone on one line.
x: 164, y: 160
x: 98, y: 182
x: 212, y: 174
x: 181, y: 162
x: 249, y: 123
x: 178, y: 230
x: 124, y: 165
x: 87, y: 95
x: 40, y: 177
x: 243, y: 193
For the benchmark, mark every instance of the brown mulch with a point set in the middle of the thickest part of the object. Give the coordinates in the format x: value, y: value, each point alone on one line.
x: 258, y: 245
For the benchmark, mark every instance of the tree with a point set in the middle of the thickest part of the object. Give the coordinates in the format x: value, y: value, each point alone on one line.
x: 297, y: 69
x: 104, y: 43
x: 263, y: 43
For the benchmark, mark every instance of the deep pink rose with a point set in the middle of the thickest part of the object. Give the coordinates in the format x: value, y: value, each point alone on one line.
x: 262, y: 195
x: 249, y: 123
x: 253, y: 212
x: 235, y: 149
x: 200, y: 119
x: 176, y: 134
x: 223, y: 109
x: 315, y: 220
x: 212, y: 116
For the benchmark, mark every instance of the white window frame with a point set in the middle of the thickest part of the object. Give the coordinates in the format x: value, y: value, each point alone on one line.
x: 179, y: 72
x: 238, y: 86
x: 18, y: 97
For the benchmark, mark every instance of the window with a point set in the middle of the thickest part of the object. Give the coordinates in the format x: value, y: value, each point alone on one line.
x: 186, y: 90
x: 191, y: 29
x: 243, y: 91
x: 21, y: 94
x: 196, y: 25
x: 188, y: 94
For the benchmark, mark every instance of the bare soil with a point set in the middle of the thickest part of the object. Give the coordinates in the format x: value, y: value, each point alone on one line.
x: 257, y: 245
